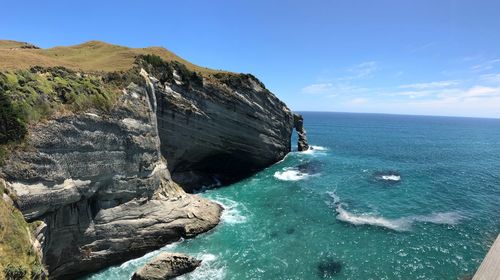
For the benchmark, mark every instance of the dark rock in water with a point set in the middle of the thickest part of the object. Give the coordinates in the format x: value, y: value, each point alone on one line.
x: 329, y: 268
x: 166, y: 266
x: 310, y: 167
x: 298, y: 124
x: 290, y: 230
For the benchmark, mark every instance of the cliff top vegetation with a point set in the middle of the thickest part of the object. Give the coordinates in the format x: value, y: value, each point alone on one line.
x: 93, y: 56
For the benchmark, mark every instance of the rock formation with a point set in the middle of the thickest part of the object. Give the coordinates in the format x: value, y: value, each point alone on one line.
x: 166, y: 266
x: 298, y: 124
x: 102, y: 188
x: 221, y: 129
x: 98, y: 179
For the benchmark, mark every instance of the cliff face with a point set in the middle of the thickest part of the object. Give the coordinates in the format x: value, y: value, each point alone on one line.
x: 97, y: 176
x: 221, y: 130
x: 102, y: 188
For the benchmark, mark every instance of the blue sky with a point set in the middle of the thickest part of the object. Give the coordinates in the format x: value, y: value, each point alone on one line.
x: 411, y: 57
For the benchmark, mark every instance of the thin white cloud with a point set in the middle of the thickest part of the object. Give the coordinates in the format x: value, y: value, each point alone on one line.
x: 358, y: 101
x: 485, y: 65
x: 431, y: 85
x: 362, y: 70
x: 344, y: 84
x: 491, y: 78
x: 481, y: 91
x: 322, y: 88
x: 422, y: 47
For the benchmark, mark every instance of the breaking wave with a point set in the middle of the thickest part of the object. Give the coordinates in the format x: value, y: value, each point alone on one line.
x: 399, y: 224
x: 231, y: 213
x: 388, y: 176
x: 210, y: 268
x: 290, y: 174
x: 315, y: 150
x: 391, y: 177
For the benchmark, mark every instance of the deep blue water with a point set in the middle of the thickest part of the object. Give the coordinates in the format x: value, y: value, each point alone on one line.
x: 380, y: 197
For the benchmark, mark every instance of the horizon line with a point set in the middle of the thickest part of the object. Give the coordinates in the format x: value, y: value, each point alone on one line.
x: 396, y: 114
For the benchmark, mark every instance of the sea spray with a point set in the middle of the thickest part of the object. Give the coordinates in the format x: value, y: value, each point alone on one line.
x: 290, y: 174
x: 315, y: 150
x: 234, y: 212
x: 126, y: 269
x: 210, y: 268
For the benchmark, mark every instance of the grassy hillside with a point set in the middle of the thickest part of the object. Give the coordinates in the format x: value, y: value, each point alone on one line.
x: 89, y: 56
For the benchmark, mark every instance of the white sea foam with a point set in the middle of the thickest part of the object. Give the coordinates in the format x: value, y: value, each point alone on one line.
x: 399, y: 224
x: 391, y: 177
x: 443, y: 218
x: 144, y: 259
x: 210, y: 268
x: 315, y: 150
x: 290, y: 174
x: 367, y: 219
x: 232, y: 213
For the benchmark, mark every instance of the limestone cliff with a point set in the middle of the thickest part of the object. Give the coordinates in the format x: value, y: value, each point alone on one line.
x: 219, y: 128
x: 106, y: 172
x: 102, y: 188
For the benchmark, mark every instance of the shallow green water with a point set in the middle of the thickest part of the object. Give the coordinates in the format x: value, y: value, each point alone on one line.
x: 380, y: 197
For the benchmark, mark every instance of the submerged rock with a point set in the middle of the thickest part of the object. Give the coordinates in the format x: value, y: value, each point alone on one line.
x: 310, y: 167
x: 328, y: 268
x: 166, y: 266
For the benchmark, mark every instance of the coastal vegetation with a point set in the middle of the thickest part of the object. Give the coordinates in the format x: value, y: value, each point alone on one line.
x: 30, y: 96
x: 19, y: 258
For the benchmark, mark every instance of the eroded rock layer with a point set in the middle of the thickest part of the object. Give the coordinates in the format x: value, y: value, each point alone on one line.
x: 99, y: 180
x: 102, y: 188
x: 222, y: 128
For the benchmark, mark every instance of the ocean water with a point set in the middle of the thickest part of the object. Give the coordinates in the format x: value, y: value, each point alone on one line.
x: 378, y: 197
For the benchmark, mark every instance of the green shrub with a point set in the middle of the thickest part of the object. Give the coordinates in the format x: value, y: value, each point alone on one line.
x: 163, y: 70
x: 14, y: 272
x: 38, y: 272
x: 12, y: 126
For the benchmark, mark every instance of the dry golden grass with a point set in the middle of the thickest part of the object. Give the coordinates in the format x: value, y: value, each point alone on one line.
x: 89, y: 56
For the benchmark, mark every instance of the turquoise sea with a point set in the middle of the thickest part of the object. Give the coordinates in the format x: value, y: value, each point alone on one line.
x: 379, y: 197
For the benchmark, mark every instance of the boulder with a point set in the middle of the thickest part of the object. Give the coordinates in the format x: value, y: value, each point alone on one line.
x: 166, y: 266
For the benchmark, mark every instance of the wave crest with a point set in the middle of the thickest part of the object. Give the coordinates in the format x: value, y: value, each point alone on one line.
x: 210, y: 268
x: 290, y: 174
x: 315, y: 150
x: 399, y: 224
x: 231, y: 213
x: 391, y: 177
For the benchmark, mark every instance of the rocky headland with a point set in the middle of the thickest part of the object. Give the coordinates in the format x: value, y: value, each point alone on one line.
x: 102, y: 161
